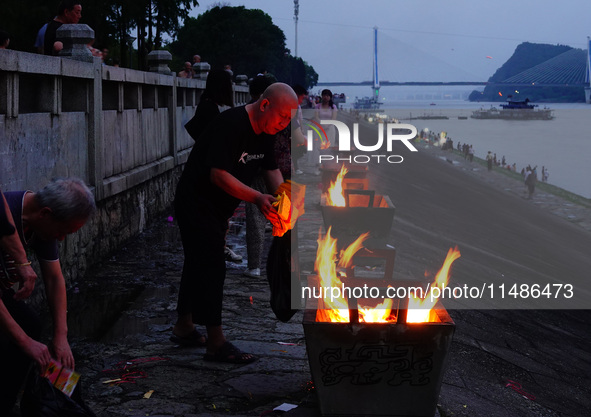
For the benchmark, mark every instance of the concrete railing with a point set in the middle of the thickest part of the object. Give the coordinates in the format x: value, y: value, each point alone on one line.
x: 118, y: 129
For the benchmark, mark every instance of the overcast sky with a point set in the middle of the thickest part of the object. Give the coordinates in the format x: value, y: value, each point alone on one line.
x: 420, y: 40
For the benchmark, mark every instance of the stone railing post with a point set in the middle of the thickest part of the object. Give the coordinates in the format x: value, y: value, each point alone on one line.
x: 201, y: 70
x: 75, y: 38
x: 158, y: 62
x: 241, y: 80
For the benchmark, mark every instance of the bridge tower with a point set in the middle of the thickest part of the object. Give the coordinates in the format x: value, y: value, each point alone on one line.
x: 376, y: 77
x: 588, y: 73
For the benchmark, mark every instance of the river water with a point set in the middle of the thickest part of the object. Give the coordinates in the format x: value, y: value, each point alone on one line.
x: 561, y: 145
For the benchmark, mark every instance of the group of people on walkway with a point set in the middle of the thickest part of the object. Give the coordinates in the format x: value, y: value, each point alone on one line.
x: 530, y: 175
x: 231, y: 149
x: 46, y: 40
x: 240, y: 154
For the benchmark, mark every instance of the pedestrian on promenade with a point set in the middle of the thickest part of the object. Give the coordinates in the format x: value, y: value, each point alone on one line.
x: 489, y: 160
x: 41, y: 219
x: 545, y: 174
x: 298, y: 144
x: 187, y: 71
x: 530, y: 181
x: 40, y: 39
x: 218, y: 92
x: 68, y: 11
x: 471, y: 153
x: 327, y: 110
x: 228, y: 68
x: 255, y: 220
x: 215, y: 179
x: 11, y: 246
x: 4, y: 39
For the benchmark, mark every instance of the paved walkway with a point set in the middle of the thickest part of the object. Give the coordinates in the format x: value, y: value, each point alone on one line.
x: 543, y: 353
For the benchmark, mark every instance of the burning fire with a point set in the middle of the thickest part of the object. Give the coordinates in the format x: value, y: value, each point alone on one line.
x: 336, y: 309
x: 335, y: 195
x: 419, y: 310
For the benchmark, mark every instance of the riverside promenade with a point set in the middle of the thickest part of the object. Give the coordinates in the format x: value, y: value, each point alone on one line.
x: 502, y: 362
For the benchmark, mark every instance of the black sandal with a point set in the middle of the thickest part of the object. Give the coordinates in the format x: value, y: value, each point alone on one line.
x: 195, y: 339
x: 228, y: 353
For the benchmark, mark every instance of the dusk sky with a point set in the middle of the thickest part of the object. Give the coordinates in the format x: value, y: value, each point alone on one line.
x: 420, y: 40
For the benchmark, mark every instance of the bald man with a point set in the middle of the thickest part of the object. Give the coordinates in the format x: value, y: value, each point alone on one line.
x: 217, y: 176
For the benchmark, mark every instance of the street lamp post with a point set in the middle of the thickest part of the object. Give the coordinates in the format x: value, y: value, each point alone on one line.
x: 129, y: 41
x: 296, y: 13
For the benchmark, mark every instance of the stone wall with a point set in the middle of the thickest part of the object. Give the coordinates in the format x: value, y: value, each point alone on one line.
x: 118, y: 129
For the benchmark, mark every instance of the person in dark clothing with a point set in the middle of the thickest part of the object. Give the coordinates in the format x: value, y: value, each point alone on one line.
x: 41, y: 219
x: 4, y: 39
x: 222, y: 164
x: 218, y: 92
x: 68, y: 11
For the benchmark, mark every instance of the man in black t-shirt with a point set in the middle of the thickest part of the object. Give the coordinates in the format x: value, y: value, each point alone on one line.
x: 69, y: 11
x: 220, y: 168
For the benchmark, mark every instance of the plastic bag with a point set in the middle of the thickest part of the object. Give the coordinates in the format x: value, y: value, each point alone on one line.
x: 42, y: 399
x: 279, y: 276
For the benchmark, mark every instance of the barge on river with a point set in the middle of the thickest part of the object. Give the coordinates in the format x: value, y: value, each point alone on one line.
x: 514, y: 110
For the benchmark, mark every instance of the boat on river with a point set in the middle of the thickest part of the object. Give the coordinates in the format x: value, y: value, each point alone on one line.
x: 366, y: 103
x: 431, y: 116
x: 515, y: 110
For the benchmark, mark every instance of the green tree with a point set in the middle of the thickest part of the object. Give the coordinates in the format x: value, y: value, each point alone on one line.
x: 149, y: 18
x: 112, y: 21
x: 244, y: 38
x: 22, y: 19
x: 296, y: 71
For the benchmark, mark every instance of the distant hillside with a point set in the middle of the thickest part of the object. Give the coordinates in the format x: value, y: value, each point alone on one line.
x: 526, y: 56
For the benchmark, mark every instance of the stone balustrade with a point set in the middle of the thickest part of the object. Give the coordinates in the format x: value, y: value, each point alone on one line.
x: 120, y: 130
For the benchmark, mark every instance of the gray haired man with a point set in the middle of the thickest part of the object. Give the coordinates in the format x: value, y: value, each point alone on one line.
x: 41, y: 219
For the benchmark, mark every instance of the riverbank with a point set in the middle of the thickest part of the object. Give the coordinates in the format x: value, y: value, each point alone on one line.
x: 558, y: 201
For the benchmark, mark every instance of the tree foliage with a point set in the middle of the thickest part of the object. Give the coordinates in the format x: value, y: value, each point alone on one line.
x: 246, y: 39
x: 243, y: 38
x: 22, y: 19
x: 145, y: 20
x: 111, y: 20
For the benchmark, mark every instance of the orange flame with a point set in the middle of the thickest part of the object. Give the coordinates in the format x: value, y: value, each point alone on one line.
x: 329, y: 310
x: 337, y: 309
x: 378, y: 314
x: 419, y: 310
x: 352, y: 249
x: 335, y: 195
